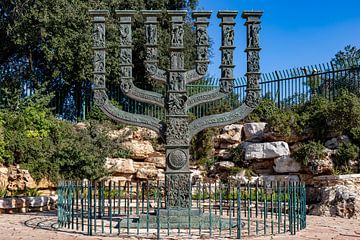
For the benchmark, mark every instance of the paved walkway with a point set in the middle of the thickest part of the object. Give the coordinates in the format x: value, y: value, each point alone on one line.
x: 40, y: 226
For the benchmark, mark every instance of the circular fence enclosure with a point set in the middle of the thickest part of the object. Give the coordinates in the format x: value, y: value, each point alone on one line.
x: 232, y: 210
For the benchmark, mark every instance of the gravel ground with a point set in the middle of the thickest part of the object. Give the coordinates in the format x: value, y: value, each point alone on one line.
x: 40, y: 226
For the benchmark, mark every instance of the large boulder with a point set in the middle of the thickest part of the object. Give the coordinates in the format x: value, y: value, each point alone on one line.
x: 144, y: 134
x: 335, y: 196
x: 158, y: 159
x: 334, y: 143
x: 230, y: 136
x: 131, y: 133
x: 254, y: 131
x: 120, y: 166
x: 224, y: 165
x: 45, y: 183
x: 286, y: 164
x: 20, y: 179
x: 268, y: 150
x: 339, y: 201
x: 322, y: 166
x: 140, y: 149
x: 3, y: 178
x: 146, y: 170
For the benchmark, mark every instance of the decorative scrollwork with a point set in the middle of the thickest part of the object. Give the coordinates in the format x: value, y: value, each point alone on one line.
x: 252, y: 81
x: 177, y: 35
x: 177, y: 131
x: 99, y: 80
x: 125, y: 56
x: 253, y: 35
x: 176, y: 103
x: 99, y: 35
x: 151, y: 34
x: 151, y: 53
x: 125, y: 86
x: 151, y: 68
x: 202, y: 36
x: 252, y: 98
x: 202, y: 68
x: 99, y: 61
x: 226, y: 86
x: 176, y: 81
x: 177, y: 159
x: 178, y: 190
x: 228, y: 39
x: 202, y: 53
x: 100, y: 98
x: 253, y: 61
x: 125, y: 34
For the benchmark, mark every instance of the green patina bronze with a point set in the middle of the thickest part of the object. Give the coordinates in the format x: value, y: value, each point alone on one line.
x: 177, y: 129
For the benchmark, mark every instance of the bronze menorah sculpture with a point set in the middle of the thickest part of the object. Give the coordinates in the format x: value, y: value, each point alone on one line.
x: 177, y: 129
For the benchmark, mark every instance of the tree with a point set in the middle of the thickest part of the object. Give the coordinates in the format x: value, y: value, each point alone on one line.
x: 348, y: 59
x: 49, y: 42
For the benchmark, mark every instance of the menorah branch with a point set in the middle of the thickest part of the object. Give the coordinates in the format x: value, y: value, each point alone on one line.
x: 227, y: 52
x: 151, y: 34
x: 253, y: 75
x: 126, y: 66
x: 100, y: 96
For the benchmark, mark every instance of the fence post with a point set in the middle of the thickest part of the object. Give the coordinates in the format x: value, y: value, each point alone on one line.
x: 278, y: 88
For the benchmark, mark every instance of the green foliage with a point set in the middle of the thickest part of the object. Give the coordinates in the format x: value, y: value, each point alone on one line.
x: 248, y: 173
x: 32, y: 192
x: 202, y: 143
x: 346, y: 153
x: 123, y: 153
x: 318, y: 119
x: 263, y: 111
x: 344, y: 113
x: 52, y: 148
x: 207, y: 162
x: 49, y: 42
x: 355, y: 135
x: 309, y: 151
x: 347, y: 57
x: 3, y: 192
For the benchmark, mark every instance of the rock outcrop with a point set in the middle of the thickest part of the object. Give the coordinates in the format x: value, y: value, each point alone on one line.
x: 267, y: 150
x: 336, y: 196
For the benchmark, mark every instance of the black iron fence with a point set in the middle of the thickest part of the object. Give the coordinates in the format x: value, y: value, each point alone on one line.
x: 233, y: 210
x: 286, y: 88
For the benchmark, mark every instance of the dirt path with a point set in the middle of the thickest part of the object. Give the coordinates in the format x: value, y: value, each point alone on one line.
x: 41, y: 227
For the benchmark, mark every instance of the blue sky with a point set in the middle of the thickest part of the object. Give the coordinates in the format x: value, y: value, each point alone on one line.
x: 294, y: 33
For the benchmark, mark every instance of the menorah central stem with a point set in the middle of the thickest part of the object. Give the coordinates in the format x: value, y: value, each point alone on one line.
x: 177, y: 132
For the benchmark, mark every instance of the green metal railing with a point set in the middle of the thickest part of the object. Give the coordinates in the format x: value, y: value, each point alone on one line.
x: 217, y: 210
x: 74, y: 101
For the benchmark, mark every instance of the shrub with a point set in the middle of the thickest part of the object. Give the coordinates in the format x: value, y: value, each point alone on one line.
x: 346, y: 153
x: 355, y: 135
x: 344, y: 113
x: 309, y: 151
x: 263, y: 111
x: 52, y: 148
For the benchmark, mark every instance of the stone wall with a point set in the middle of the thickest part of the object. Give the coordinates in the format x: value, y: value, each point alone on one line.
x: 335, y: 196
